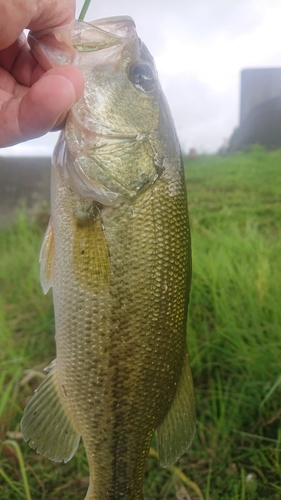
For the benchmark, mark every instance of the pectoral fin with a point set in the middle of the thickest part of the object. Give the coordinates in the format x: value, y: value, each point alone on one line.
x: 46, y: 259
x: 175, y: 433
x: 46, y: 426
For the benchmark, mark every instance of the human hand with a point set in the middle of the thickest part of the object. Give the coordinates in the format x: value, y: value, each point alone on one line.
x: 32, y: 100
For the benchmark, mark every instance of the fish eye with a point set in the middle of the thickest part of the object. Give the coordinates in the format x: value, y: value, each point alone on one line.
x: 142, y: 75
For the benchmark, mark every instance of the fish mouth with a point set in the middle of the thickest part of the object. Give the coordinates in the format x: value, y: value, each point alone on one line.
x: 59, y: 46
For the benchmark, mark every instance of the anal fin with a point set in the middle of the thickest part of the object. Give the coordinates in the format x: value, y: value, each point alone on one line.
x: 175, y: 433
x: 45, y: 424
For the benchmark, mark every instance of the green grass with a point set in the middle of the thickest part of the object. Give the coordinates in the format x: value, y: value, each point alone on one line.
x: 234, y: 336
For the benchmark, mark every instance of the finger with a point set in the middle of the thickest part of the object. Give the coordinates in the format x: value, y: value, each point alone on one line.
x: 42, y: 107
x: 9, y: 55
x: 17, y: 15
x: 49, y: 99
x: 19, y: 61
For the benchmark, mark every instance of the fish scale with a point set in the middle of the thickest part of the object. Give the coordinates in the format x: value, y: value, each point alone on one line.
x: 117, y: 255
x: 143, y: 324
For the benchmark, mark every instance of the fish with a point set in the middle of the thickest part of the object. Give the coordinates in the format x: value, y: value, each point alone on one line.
x: 117, y: 256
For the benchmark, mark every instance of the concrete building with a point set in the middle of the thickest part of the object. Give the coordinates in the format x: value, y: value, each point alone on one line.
x: 260, y: 109
x: 258, y: 85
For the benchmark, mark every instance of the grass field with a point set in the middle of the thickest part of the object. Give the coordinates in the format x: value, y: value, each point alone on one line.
x: 234, y: 336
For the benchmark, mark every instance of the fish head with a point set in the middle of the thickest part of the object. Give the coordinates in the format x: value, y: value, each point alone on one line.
x: 119, y: 136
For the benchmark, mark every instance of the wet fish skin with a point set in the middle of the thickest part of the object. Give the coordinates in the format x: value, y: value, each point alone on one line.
x: 117, y: 255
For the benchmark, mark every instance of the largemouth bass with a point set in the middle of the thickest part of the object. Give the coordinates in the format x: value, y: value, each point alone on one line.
x: 117, y: 256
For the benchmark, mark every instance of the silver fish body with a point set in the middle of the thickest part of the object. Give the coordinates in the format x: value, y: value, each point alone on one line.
x: 117, y: 255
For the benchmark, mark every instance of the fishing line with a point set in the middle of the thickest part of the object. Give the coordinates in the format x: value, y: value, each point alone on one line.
x: 84, y: 10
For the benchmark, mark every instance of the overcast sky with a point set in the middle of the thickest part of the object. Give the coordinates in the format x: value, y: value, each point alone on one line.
x: 200, y: 47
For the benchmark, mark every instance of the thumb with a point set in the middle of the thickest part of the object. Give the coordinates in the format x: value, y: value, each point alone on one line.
x: 46, y: 103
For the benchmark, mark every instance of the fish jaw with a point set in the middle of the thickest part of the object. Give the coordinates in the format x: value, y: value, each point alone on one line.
x: 62, y: 45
